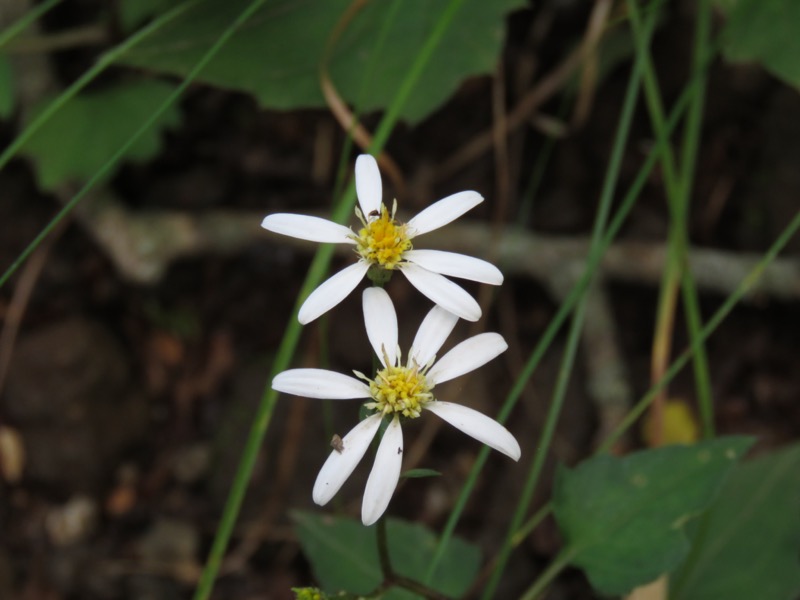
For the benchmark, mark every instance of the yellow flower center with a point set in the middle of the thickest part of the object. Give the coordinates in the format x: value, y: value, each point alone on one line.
x: 402, y: 390
x: 383, y: 241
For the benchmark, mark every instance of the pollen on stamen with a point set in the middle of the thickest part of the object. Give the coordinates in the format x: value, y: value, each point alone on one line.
x: 400, y: 390
x: 382, y: 240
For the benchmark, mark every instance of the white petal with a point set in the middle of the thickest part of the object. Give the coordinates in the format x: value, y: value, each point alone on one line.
x: 442, y: 291
x: 369, y: 188
x: 331, y: 292
x: 479, y: 426
x: 384, y: 475
x: 467, y: 356
x: 308, y: 228
x: 456, y: 265
x: 380, y: 319
x: 340, y: 465
x: 443, y: 212
x: 431, y: 335
x: 320, y: 383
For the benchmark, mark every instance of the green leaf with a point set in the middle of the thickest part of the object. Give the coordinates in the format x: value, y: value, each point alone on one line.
x: 623, y: 518
x: 343, y: 554
x: 764, y: 31
x: 81, y: 137
x: 276, y: 55
x: 747, y: 545
x: 420, y: 473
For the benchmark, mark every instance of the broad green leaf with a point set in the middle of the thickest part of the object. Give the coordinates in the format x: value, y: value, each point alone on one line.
x: 748, y: 545
x: 343, y: 554
x: 623, y: 518
x: 276, y: 55
x: 764, y: 31
x: 133, y: 14
x: 81, y: 136
x: 6, y: 89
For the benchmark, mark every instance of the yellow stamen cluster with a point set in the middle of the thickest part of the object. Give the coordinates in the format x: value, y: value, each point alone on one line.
x: 402, y: 390
x: 382, y: 241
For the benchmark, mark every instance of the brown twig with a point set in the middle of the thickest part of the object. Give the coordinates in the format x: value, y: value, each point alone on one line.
x: 339, y: 107
x: 546, y: 89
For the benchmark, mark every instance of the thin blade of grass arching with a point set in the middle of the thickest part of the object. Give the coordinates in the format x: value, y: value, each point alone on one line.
x: 105, y: 61
x: 26, y: 21
x: 568, y: 360
x: 563, y: 312
x: 291, y: 336
x: 678, y: 187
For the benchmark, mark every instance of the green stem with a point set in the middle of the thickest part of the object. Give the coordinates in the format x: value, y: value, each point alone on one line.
x: 104, y: 61
x: 573, y: 339
x: 554, y: 568
x: 555, y: 325
x: 26, y: 21
x: 678, y: 194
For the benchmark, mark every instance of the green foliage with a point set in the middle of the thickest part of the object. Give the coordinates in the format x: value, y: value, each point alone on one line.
x: 420, y: 473
x: 80, y: 137
x: 343, y: 554
x: 747, y: 545
x: 623, y: 518
x: 764, y: 31
x: 276, y: 56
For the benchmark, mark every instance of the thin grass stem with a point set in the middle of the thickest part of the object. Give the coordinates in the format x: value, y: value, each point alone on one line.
x: 558, y: 320
x: 574, y: 335
x: 105, y: 61
x: 678, y: 189
x: 33, y: 15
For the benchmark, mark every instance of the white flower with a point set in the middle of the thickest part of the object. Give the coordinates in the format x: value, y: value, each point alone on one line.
x: 383, y: 243
x: 398, y: 390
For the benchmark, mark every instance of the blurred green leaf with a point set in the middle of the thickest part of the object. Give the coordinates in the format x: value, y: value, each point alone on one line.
x: 764, y: 31
x: 81, y: 137
x: 420, y: 473
x: 623, y: 518
x: 276, y: 55
x: 343, y: 554
x: 6, y: 89
x: 133, y: 14
x: 747, y: 546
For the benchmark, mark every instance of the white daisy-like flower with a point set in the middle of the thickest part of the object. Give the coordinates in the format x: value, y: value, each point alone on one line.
x: 384, y: 245
x: 399, y: 390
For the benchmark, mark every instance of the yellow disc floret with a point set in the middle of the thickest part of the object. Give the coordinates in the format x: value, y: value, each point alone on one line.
x: 382, y: 240
x: 398, y: 389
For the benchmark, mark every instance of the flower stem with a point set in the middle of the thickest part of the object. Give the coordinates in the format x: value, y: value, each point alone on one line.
x: 383, y: 550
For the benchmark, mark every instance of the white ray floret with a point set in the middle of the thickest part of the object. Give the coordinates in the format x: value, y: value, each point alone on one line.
x: 385, y: 244
x: 331, y: 292
x: 384, y: 475
x: 396, y: 392
x: 340, y: 464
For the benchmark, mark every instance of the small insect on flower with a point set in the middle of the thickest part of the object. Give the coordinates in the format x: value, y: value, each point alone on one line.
x: 383, y: 245
x: 336, y: 443
x: 399, y: 391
